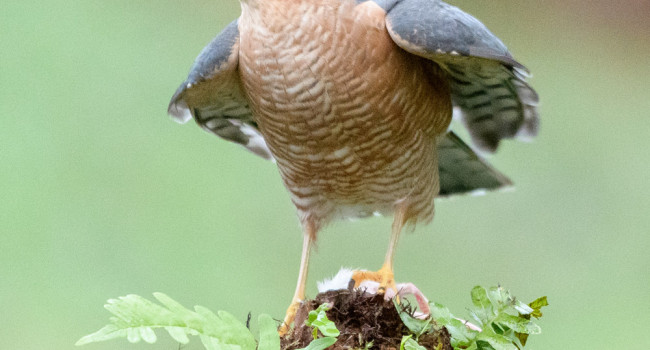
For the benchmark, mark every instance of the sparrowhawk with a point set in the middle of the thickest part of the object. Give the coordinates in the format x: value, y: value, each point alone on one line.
x: 353, y: 100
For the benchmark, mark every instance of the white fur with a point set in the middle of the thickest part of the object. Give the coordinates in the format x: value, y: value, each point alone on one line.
x: 338, y: 282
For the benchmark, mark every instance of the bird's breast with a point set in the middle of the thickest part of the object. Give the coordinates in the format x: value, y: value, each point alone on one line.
x: 350, y: 118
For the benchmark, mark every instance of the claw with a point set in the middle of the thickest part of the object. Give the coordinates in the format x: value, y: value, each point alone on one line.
x: 289, y: 317
x: 384, y: 277
x: 369, y: 282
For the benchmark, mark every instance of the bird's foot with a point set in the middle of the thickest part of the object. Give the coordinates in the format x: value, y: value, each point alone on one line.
x: 354, y: 279
x: 289, y: 317
x: 383, y: 276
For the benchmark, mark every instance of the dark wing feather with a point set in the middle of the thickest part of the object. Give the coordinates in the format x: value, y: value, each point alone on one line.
x: 213, y: 95
x: 461, y: 170
x: 488, y: 86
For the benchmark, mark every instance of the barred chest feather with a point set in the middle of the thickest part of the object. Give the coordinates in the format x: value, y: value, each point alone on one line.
x: 350, y: 118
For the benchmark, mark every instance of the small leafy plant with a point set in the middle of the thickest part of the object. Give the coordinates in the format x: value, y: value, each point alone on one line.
x: 319, y: 321
x: 408, y: 343
x: 502, y: 323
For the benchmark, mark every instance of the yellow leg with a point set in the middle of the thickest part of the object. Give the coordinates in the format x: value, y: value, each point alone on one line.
x: 385, y: 275
x: 308, y: 237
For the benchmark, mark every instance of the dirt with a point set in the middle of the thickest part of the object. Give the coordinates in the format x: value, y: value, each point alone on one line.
x: 362, y: 319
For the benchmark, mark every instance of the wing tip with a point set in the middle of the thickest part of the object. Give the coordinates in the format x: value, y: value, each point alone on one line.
x: 256, y: 142
x: 466, y: 183
x: 530, y: 109
x: 478, y: 192
x: 177, y: 108
x: 525, y: 128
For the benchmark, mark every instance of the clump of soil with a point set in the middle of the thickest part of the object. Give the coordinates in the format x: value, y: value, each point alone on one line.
x: 362, y: 319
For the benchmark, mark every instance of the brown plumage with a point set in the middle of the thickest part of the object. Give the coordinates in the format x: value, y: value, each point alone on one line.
x: 352, y: 98
x: 349, y: 139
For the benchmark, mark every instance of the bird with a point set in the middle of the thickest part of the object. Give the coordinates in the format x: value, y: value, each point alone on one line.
x: 353, y: 101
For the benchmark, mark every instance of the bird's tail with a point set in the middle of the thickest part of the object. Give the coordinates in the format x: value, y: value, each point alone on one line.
x: 462, y: 171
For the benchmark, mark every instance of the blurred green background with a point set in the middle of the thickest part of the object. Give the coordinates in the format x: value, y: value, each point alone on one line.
x: 101, y: 194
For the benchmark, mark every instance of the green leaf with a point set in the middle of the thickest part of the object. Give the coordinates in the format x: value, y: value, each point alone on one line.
x: 269, y: 338
x: 404, y: 339
x: 235, y: 332
x: 523, y: 338
x: 415, y: 325
x: 106, y: 333
x: 482, y: 345
x: 480, y: 297
x: 493, y: 309
x: 318, y: 318
x: 173, y: 306
x: 497, y: 295
x: 460, y: 334
x: 495, y: 341
x: 522, y: 308
x: 408, y: 343
x: 537, y: 305
x: 440, y: 313
x: 320, y: 343
x: 135, y: 318
x: 518, y: 324
x: 178, y: 334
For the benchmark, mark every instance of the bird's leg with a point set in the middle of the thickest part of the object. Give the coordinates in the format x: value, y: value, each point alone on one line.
x: 309, y: 234
x: 385, y: 274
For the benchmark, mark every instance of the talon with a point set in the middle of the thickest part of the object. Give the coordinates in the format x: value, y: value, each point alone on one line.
x: 383, y: 279
x: 289, y: 317
x: 283, y: 330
